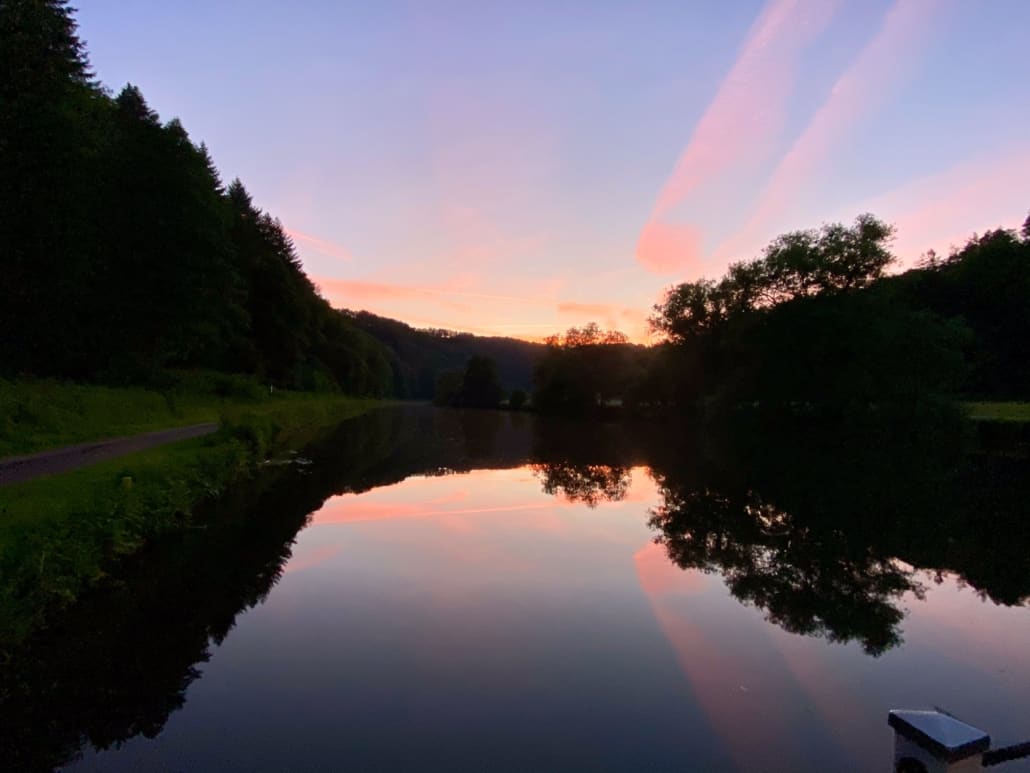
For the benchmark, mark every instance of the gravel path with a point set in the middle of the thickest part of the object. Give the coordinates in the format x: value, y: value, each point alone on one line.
x: 16, y: 469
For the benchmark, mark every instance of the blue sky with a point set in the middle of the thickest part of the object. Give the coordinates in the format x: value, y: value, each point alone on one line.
x: 517, y: 168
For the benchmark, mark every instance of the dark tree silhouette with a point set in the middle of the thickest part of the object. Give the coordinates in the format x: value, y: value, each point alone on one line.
x: 480, y: 387
x: 808, y: 582
x: 590, y: 484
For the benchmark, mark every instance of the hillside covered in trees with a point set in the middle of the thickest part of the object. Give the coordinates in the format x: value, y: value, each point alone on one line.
x: 124, y: 255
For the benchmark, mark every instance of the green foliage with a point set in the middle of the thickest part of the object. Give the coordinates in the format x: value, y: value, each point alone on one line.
x: 59, y: 535
x: 417, y: 358
x: 151, y: 264
x: 1006, y: 412
x: 39, y: 414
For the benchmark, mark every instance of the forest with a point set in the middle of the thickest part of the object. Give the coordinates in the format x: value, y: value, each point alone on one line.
x: 816, y: 324
x: 126, y: 258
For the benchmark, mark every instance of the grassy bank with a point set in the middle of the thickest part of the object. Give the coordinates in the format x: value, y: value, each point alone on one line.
x: 1009, y: 412
x: 37, y: 414
x: 59, y: 535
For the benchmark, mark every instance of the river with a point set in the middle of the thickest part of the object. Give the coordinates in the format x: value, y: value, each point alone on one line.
x: 437, y: 590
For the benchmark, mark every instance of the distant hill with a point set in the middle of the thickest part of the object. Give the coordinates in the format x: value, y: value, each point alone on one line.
x: 417, y: 357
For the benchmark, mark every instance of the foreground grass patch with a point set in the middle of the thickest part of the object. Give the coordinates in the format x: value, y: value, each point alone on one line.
x: 39, y: 414
x: 1017, y: 412
x: 59, y: 535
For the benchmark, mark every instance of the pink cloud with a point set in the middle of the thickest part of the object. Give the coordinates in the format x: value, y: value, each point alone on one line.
x: 364, y: 289
x: 863, y: 87
x: 945, y: 209
x: 665, y: 248
x: 320, y: 245
x: 740, y: 127
x: 347, y: 292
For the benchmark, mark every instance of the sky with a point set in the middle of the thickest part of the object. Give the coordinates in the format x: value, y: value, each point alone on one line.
x: 519, y: 168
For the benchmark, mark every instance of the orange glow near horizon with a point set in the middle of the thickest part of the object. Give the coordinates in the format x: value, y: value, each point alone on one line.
x: 452, y: 306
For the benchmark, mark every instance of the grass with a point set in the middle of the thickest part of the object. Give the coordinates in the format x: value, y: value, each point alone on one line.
x: 39, y: 414
x: 61, y: 534
x: 1006, y: 412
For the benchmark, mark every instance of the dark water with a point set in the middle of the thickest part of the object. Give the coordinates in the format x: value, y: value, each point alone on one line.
x: 482, y: 591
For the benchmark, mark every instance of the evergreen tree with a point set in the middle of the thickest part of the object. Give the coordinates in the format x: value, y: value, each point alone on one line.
x: 51, y: 123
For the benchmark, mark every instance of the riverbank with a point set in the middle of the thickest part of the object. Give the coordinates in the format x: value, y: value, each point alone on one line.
x: 1000, y: 411
x: 60, y: 534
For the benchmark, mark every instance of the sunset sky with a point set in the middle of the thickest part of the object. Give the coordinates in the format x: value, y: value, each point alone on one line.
x: 517, y: 168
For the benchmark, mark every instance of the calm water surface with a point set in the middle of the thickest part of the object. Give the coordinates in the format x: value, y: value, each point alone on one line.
x: 478, y: 592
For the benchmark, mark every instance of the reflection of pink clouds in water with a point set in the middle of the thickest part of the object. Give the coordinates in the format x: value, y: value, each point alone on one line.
x: 457, y: 533
x: 807, y: 663
x: 731, y: 678
x: 311, y: 557
x: 345, y: 510
x: 975, y: 629
x: 658, y: 575
x: 450, y: 498
x: 394, y: 503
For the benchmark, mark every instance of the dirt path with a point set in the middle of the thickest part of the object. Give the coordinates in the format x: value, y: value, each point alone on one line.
x: 17, y: 469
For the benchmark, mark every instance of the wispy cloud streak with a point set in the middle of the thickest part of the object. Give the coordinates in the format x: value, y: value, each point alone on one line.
x: 361, y: 289
x: 319, y: 245
x: 867, y: 83
x: 739, y: 128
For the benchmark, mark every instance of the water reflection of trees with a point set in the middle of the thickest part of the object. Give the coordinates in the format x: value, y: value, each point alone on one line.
x: 824, y: 528
x: 809, y: 524
x: 808, y: 581
x: 803, y: 523
x: 590, y: 484
x: 118, y: 663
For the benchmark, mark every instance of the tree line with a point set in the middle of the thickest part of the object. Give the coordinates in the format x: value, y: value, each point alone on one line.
x: 815, y: 323
x: 125, y: 257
